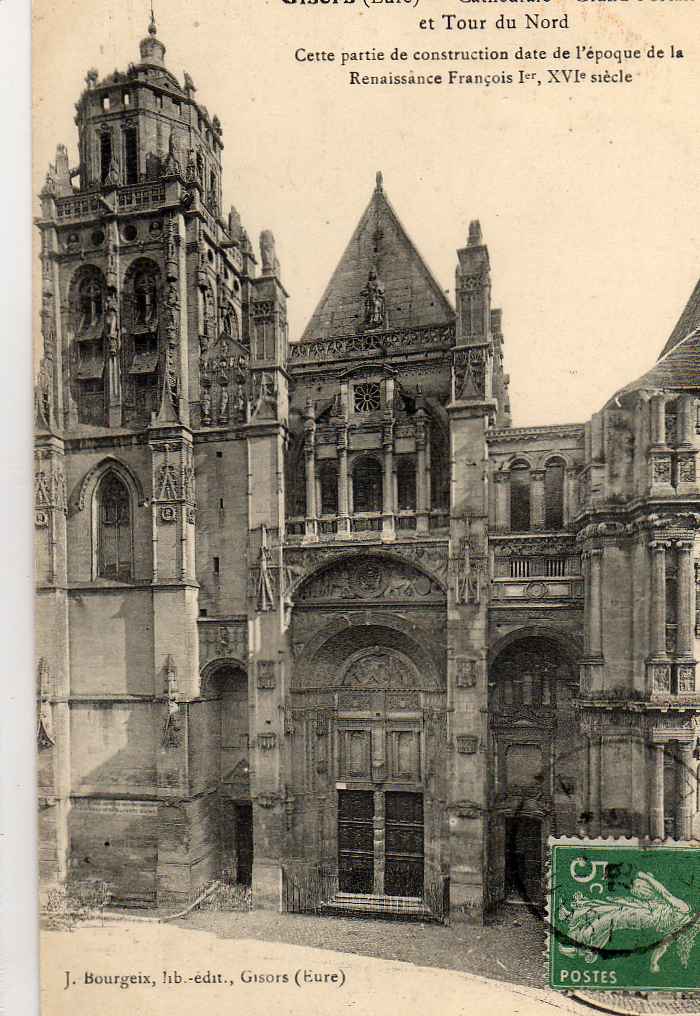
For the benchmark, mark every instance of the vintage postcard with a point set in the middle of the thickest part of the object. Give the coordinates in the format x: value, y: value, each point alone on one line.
x: 366, y: 505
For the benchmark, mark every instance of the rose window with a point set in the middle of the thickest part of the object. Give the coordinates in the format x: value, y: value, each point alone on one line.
x: 367, y: 398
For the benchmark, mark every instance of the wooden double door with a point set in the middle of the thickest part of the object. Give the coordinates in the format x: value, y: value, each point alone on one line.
x: 380, y: 842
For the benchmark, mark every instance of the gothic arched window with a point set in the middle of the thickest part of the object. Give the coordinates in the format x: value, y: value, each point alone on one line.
x: 554, y: 494
x: 113, y: 529
x: 90, y: 304
x: 520, y: 497
x: 328, y: 475
x: 367, y: 490
x: 145, y: 298
x: 406, y: 484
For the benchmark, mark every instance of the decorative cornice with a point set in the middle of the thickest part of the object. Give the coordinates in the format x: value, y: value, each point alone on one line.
x: 507, y: 434
x: 350, y: 346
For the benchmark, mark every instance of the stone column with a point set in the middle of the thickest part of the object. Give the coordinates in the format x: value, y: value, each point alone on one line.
x: 686, y: 420
x: 686, y: 450
x: 686, y: 780
x: 595, y: 630
x: 656, y: 803
x: 310, y: 456
x: 388, y: 454
x: 658, y: 598
x: 537, y: 498
x: 570, y: 494
x: 685, y: 608
x: 502, y: 481
x: 343, y: 509
x: 658, y: 419
x: 422, y: 478
x: 660, y: 457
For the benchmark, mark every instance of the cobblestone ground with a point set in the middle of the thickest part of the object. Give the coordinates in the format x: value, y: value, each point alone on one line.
x: 510, y: 949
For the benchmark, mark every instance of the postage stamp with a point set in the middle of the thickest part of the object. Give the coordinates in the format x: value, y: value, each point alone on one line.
x: 623, y: 915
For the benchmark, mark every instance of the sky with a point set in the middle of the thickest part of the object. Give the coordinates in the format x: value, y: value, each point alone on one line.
x: 588, y: 198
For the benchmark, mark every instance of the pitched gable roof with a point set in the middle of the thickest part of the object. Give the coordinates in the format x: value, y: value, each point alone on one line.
x: 380, y: 243
x: 677, y: 370
x: 688, y: 321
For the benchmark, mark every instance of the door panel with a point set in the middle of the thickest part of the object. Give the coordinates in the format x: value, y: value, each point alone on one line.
x: 403, y: 866
x: 356, y: 841
x: 524, y: 857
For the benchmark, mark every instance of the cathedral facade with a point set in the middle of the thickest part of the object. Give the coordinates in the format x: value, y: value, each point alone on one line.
x: 312, y: 614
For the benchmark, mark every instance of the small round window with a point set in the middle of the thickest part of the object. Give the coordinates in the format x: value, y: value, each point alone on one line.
x: 367, y: 397
x: 130, y: 233
x: 98, y: 238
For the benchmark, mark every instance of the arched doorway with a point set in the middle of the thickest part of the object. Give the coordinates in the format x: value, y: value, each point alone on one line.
x: 225, y: 690
x: 535, y: 769
x: 369, y: 742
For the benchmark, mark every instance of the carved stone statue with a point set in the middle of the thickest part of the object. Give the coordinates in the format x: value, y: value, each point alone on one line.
x: 172, y: 311
x: 223, y: 405
x: 268, y: 256
x: 171, y: 166
x: 50, y: 182
x: 191, y: 170
x: 375, y: 302
x: 206, y: 406
x: 113, y: 178
x: 111, y: 319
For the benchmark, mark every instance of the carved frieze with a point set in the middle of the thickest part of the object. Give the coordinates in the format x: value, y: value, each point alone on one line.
x: 403, y: 701
x: 354, y: 701
x: 302, y: 561
x: 556, y: 547
x: 381, y: 670
x: 508, y: 717
x: 370, y: 579
x: 399, y: 339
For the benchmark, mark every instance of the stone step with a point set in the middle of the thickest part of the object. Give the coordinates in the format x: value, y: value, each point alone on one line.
x: 405, y: 907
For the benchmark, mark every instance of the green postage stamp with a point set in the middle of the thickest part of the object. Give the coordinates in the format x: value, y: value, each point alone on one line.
x: 623, y: 916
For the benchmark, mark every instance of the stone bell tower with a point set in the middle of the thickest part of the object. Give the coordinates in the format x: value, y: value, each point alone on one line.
x: 148, y: 301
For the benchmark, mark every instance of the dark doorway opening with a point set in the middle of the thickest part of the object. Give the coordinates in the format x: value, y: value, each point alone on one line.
x: 356, y: 841
x: 244, y: 838
x: 523, y: 874
x: 237, y: 842
x: 403, y: 865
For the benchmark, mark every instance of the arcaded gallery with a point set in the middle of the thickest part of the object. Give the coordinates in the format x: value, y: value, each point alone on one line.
x: 313, y: 616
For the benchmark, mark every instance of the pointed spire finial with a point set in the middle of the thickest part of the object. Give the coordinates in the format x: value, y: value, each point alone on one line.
x: 475, y: 237
x: 380, y: 181
x: 152, y: 23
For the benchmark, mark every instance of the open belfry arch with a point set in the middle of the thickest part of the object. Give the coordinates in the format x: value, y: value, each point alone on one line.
x: 312, y: 614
